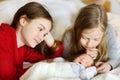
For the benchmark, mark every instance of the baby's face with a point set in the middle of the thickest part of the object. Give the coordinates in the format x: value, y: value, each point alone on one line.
x: 85, y: 60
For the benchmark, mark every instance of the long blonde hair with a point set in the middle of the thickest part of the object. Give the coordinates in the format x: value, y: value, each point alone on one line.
x: 90, y: 16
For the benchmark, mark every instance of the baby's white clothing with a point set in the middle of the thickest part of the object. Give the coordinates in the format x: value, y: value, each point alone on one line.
x: 82, y: 72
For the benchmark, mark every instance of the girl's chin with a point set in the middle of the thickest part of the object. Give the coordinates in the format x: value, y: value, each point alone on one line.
x: 32, y: 46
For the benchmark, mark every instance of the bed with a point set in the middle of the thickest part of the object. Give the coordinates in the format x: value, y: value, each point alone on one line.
x: 63, y: 12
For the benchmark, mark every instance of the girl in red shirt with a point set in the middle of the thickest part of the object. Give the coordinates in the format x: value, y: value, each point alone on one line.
x: 28, y: 39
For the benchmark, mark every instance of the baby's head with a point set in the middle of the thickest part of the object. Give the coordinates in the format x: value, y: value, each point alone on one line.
x: 84, y: 59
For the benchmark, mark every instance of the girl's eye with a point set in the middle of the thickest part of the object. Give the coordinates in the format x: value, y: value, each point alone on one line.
x: 41, y: 29
x: 45, y: 34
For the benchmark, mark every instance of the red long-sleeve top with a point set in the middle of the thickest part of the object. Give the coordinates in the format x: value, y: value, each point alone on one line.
x: 12, y: 58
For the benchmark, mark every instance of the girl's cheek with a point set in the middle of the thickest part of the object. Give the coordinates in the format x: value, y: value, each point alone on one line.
x: 83, y: 43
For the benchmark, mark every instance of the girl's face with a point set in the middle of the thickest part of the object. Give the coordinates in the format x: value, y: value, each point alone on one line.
x: 34, y: 31
x: 91, y: 38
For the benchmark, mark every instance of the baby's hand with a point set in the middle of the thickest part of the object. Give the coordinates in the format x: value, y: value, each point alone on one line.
x: 93, y: 53
x: 103, y: 67
x: 49, y: 39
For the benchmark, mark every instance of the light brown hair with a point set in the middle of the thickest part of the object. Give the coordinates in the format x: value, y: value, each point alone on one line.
x: 90, y: 16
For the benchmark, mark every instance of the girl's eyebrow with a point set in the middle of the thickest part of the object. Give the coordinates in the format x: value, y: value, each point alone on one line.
x: 43, y: 26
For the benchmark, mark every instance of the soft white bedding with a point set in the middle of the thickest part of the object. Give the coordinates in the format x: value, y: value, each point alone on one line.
x: 107, y: 76
x: 50, y: 71
x: 63, y: 12
x: 61, y: 71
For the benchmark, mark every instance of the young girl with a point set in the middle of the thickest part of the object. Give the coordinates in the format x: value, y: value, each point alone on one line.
x: 30, y: 28
x: 89, y: 32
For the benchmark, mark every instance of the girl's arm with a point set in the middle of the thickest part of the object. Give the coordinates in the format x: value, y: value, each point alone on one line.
x: 52, y: 48
x: 113, y: 50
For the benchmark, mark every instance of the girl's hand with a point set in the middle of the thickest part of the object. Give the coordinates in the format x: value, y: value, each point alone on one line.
x: 103, y: 67
x: 49, y: 39
x: 93, y: 53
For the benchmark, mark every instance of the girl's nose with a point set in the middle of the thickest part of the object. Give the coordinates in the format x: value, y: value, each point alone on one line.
x: 41, y: 37
x: 89, y: 44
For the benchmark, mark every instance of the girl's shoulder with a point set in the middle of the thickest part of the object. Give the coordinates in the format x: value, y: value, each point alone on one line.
x: 6, y: 28
x: 109, y: 28
x: 110, y: 31
x: 67, y: 35
x: 7, y: 34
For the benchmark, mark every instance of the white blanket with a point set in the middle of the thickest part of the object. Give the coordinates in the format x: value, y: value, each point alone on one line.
x: 50, y: 71
x: 107, y: 76
x: 60, y: 71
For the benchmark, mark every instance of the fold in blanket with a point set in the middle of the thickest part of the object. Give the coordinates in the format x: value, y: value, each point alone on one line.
x: 50, y: 71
